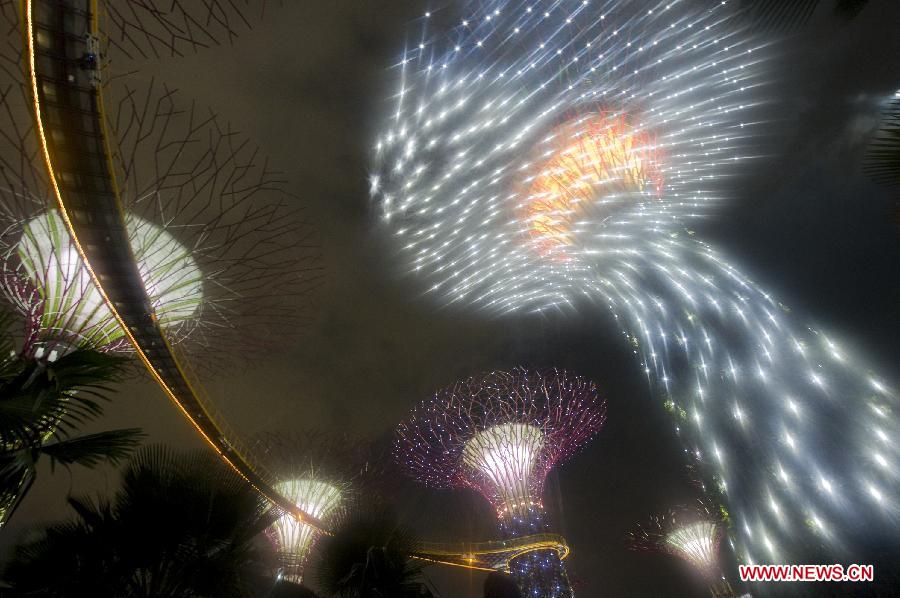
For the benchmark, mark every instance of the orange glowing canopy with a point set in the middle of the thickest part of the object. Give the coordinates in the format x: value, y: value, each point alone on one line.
x: 600, y: 162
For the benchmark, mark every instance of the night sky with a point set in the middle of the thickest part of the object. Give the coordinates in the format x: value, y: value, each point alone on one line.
x: 310, y: 83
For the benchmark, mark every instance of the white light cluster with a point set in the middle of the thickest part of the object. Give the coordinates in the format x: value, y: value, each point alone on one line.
x: 70, y: 307
x: 472, y: 126
x: 796, y: 432
x: 293, y: 538
x: 697, y: 543
x: 506, y: 454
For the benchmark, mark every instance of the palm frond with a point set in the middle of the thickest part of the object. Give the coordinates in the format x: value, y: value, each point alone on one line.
x: 7, y: 346
x: 38, y: 399
x: 112, y: 446
x: 178, y: 526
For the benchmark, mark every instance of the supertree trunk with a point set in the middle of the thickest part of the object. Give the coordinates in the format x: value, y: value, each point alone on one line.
x: 538, y: 573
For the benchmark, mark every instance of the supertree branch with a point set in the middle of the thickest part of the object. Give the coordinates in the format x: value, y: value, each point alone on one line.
x: 22, y: 184
x: 189, y: 182
x: 160, y: 28
x: 882, y: 158
x: 692, y: 532
x: 500, y: 433
x: 203, y: 179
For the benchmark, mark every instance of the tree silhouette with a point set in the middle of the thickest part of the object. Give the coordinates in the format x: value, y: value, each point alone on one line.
x: 42, y: 405
x: 181, y: 525
x: 368, y: 557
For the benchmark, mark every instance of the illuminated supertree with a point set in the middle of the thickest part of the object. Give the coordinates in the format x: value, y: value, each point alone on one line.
x: 194, y: 212
x: 224, y: 255
x: 692, y: 533
x: 321, y: 473
x: 220, y: 243
x: 540, y: 155
x: 500, y: 434
x: 47, y: 282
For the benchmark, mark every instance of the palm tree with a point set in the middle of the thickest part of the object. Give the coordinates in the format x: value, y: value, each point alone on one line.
x: 368, y: 557
x: 42, y: 404
x: 181, y: 525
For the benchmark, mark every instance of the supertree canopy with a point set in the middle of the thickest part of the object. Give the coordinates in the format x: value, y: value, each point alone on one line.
x: 225, y: 255
x: 500, y: 433
x: 223, y: 247
x: 294, y: 539
x: 48, y: 282
x: 540, y: 154
x: 320, y: 473
x: 692, y: 533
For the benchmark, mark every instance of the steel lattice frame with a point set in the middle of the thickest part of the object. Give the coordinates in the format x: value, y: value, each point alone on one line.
x: 192, y: 179
x: 499, y: 434
x: 323, y: 474
x: 692, y: 532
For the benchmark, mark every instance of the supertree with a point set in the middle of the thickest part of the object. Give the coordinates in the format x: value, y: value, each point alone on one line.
x: 46, y: 281
x: 499, y: 434
x: 225, y: 257
x: 543, y: 156
x: 222, y: 247
x: 321, y: 473
x: 692, y: 533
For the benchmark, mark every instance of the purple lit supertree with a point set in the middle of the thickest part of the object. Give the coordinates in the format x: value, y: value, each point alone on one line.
x: 499, y: 434
x: 692, y: 533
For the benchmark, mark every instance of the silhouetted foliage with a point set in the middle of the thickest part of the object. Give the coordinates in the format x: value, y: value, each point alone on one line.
x: 368, y: 557
x: 181, y: 525
x: 42, y: 406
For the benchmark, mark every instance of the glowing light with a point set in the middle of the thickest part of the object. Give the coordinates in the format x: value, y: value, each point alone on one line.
x: 876, y: 493
x: 602, y: 162
x: 696, y: 543
x: 506, y: 454
x: 72, y: 309
x: 560, y: 179
x: 500, y: 434
x: 692, y: 533
x: 295, y: 538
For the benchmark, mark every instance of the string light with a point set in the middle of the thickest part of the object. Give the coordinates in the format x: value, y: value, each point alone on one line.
x: 546, y: 180
x: 500, y: 434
